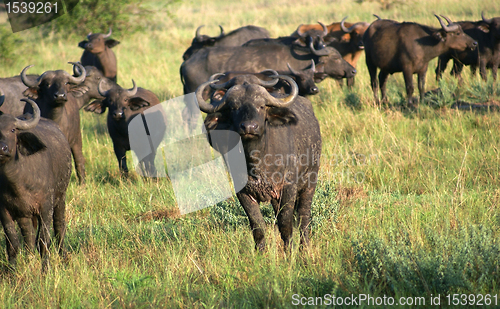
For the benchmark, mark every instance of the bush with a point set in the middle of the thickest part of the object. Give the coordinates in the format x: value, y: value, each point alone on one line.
x: 98, y: 16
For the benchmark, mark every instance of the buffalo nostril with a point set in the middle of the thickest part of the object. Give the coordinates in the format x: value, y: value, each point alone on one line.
x: 249, y: 127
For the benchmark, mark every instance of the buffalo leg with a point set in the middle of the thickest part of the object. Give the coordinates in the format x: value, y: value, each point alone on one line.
x: 382, y: 77
x: 121, y: 156
x: 421, y: 84
x: 408, y: 77
x: 350, y: 82
x: 28, y: 232
x: 44, y: 234
x: 441, y: 66
x: 482, y: 70
x: 76, y: 150
x: 59, y: 222
x: 256, y: 219
x: 285, y: 215
x: 494, y: 70
x: 304, y: 204
x: 372, y: 69
x: 11, y: 238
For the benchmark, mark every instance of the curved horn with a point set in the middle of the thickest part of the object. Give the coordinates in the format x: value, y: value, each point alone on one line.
x: 25, y: 79
x: 292, y: 70
x: 198, y: 36
x: 269, y: 83
x: 325, y: 29
x: 81, y: 77
x: 204, y: 106
x: 450, y: 27
x: 132, y: 91
x: 88, y: 35
x: 484, y: 19
x: 76, y: 69
x: 31, y: 123
x: 216, y: 76
x: 108, y: 35
x: 221, y: 31
x: 273, y: 72
x: 286, y: 101
x: 313, y: 66
x: 322, y: 52
x: 299, y: 32
x: 100, y: 90
x: 346, y: 30
x: 378, y: 17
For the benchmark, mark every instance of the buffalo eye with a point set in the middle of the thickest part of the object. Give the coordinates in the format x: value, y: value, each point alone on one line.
x: 13, y: 130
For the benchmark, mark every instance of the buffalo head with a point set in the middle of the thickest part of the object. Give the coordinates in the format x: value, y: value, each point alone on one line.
x: 122, y: 103
x: 54, y: 86
x: 453, y: 35
x: 247, y: 107
x: 14, y: 135
x: 98, y: 42
x: 353, y: 35
x: 314, y: 35
x: 93, y: 77
x: 305, y: 79
x: 202, y: 40
x: 491, y: 25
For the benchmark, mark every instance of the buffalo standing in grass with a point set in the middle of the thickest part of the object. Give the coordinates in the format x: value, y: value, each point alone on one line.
x: 487, y: 56
x: 56, y: 93
x: 124, y: 105
x: 234, y: 38
x: 282, y: 146
x: 408, y: 48
x: 98, y: 53
x: 35, y: 168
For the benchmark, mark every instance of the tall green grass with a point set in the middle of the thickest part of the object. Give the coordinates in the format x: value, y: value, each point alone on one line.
x: 407, y: 202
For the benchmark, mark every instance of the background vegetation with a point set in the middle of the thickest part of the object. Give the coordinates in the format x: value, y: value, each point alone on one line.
x: 407, y: 203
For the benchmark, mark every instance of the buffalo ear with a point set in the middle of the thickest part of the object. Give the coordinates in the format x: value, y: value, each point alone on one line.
x: 213, y: 120
x: 28, y: 143
x: 484, y: 27
x: 278, y: 116
x: 137, y: 103
x: 82, y: 44
x: 110, y: 43
x: 97, y: 107
x: 31, y: 92
x: 440, y: 35
x: 78, y: 91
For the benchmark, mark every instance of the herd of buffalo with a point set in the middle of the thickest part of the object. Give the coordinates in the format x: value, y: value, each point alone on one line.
x: 245, y: 81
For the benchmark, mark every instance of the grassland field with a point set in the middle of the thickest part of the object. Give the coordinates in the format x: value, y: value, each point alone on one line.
x: 407, y: 203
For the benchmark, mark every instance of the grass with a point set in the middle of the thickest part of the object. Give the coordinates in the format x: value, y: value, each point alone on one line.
x: 407, y: 203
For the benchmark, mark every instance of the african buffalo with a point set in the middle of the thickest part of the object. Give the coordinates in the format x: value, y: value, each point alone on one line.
x: 258, y: 57
x: 234, y: 38
x: 87, y: 91
x: 347, y: 38
x: 98, y: 53
x: 56, y: 94
x: 124, y: 105
x: 282, y: 146
x: 35, y: 168
x: 13, y: 88
x: 408, y: 48
x: 487, y: 33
